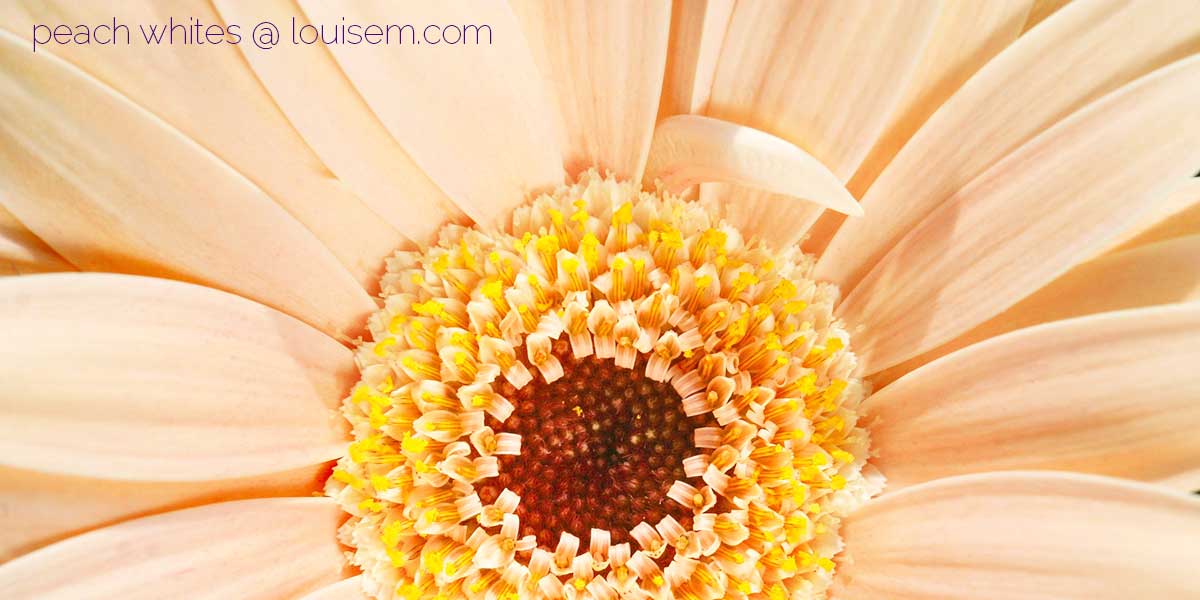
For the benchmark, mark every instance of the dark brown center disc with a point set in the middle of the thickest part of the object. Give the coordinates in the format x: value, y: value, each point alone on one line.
x: 600, y: 447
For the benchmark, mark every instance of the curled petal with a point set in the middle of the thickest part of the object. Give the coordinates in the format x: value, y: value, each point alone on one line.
x: 691, y: 149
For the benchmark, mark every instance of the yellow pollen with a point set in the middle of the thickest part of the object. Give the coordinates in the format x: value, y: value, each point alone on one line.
x: 348, y: 478
x: 371, y: 504
x: 623, y: 215
x: 381, y: 348
x: 414, y: 444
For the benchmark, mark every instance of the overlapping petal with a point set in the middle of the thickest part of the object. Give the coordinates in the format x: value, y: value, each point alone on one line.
x: 824, y: 76
x: 128, y: 193
x: 604, y: 64
x: 42, y: 508
x: 22, y: 252
x: 205, y: 92
x: 1179, y: 216
x: 147, y: 379
x: 1159, y: 273
x: 325, y: 108
x: 697, y: 33
x: 1059, y: 200
x: 1022, y: 535
x: 1112, y: 394
x: 1042, y: 9
x: 266, y: 548
x: 783, y: 69
x: 965, y: 37
x: 473, y: 116
x: 1086, y: 50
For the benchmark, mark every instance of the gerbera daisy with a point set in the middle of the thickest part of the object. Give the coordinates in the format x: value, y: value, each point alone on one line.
x: 635, y: 300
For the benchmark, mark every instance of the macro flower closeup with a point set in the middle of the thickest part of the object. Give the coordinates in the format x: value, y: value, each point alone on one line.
x: 702, y: 299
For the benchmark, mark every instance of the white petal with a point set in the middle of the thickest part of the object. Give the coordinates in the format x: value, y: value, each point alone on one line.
x: 1112, y: 394
x: 1022, y: 536
x: 691, y: 149
x: 604, y: 64
x: 128, y: 193
x: 473, y: 116
x: 269, y: 548
x: 43, y: 508
x: 1057, y: 201
x: 1084, y: 52
x: 207, y: 93
x: 1161, y: 273
x: 336, y: 122
x: 124, y: 377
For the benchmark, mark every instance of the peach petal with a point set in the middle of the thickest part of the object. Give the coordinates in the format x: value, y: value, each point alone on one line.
x: 207, y: 93
x: 697, y: 33
x: 336, y: 122
x: 134, y: 378
x: 1085, y: 51
x: 472, y: 117
x: 692, y: 149
x: 42, y: 508
x: 1040, y: 11
x: 821, y: 75
x: 774, y: 218
x: 247, y: 549
x: 604, y: 63
x: 346, y: 589
x: 1112, y: 394
x: 1021, y: 535
x: 1179, y: 217
x: 783, y: 69
x: 1160, y: 273
x: 1057, y: 201
x: 22, y: 252
x: 965, y: 37
x: 129, y: 193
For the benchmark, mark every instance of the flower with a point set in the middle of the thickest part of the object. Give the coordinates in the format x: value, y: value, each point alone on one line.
x: 703, y: 300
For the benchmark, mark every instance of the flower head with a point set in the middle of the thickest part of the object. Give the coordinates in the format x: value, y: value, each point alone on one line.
x: 620, y: 391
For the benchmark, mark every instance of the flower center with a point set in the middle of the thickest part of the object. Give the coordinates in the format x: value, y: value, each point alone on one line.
x: 600, y: 449
x: 617, y: 396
